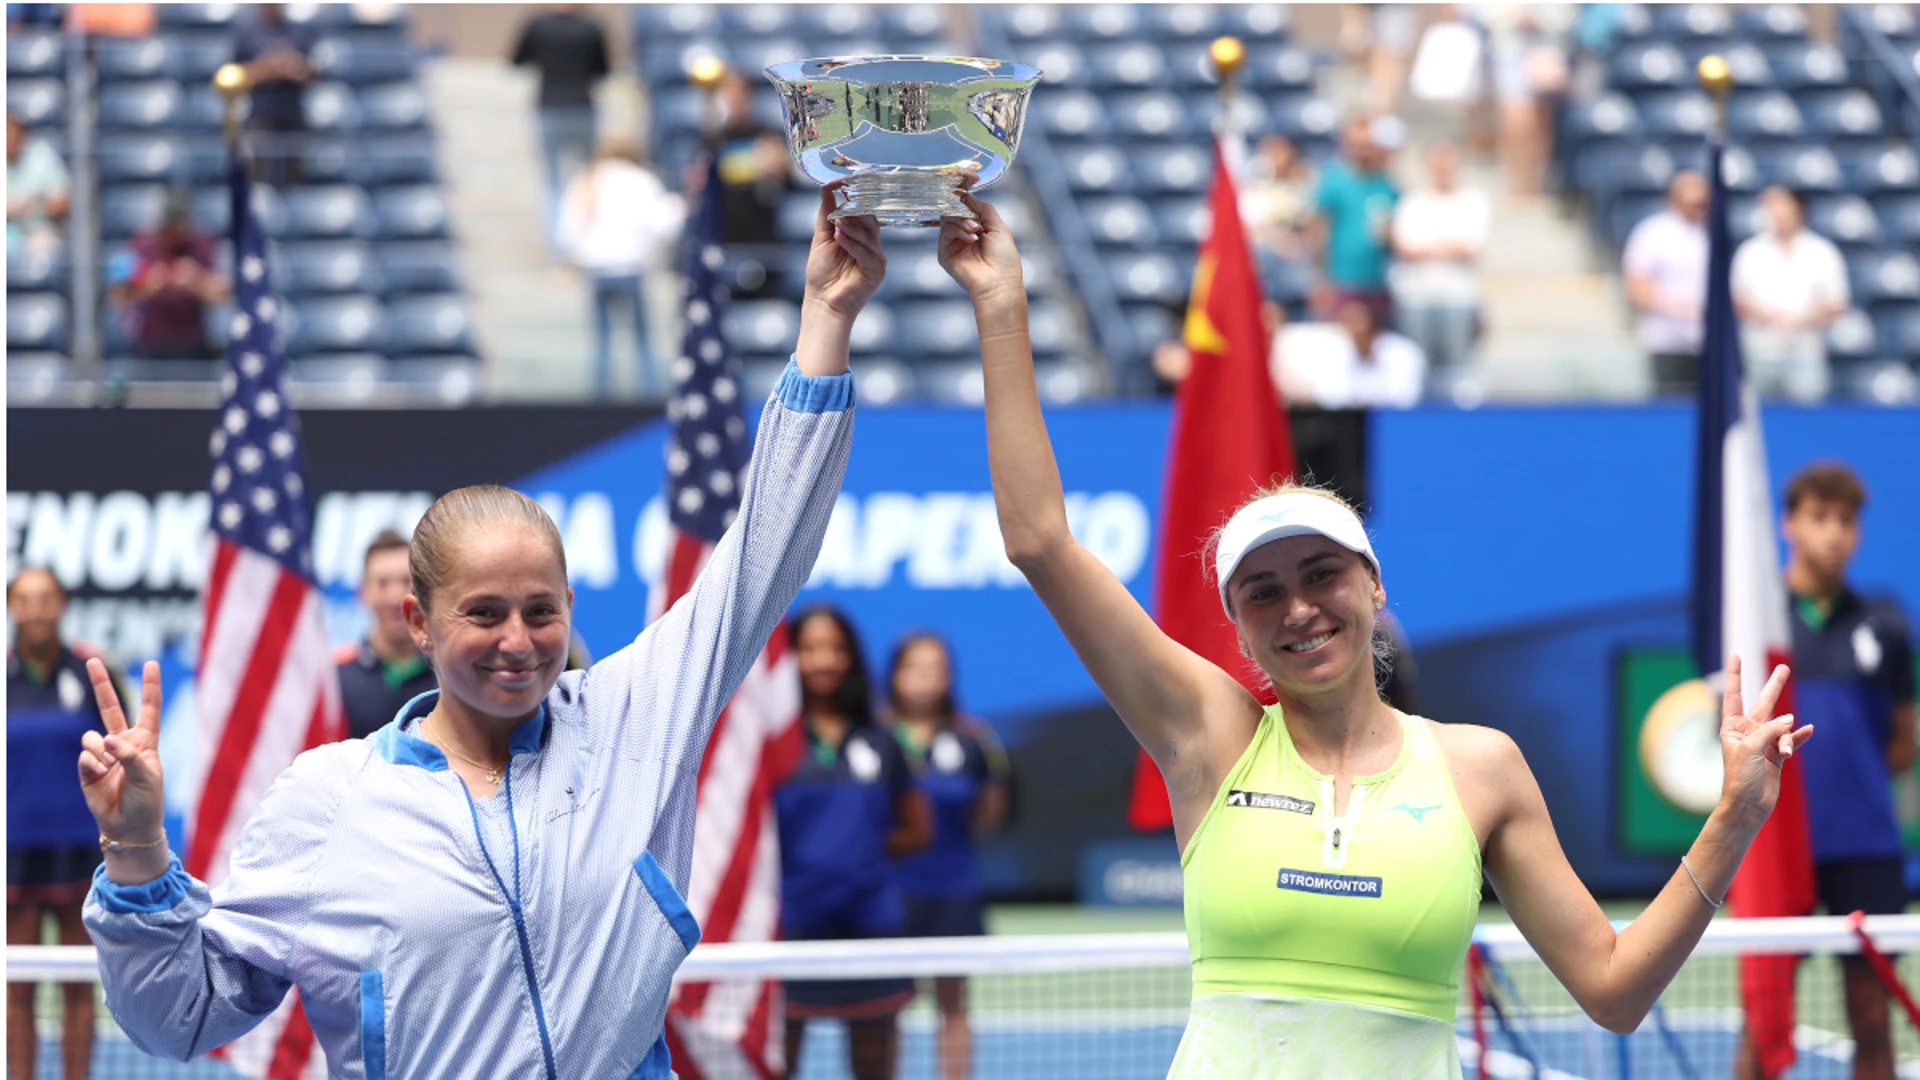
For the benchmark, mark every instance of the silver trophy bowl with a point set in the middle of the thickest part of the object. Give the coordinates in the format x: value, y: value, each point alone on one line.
x: 903, y: 135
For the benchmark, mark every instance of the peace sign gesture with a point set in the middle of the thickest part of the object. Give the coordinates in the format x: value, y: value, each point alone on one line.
x: 120, y: 771
x: 1755, y: 745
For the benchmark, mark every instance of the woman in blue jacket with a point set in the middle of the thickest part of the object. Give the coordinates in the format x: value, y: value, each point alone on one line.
x: 491, y: 885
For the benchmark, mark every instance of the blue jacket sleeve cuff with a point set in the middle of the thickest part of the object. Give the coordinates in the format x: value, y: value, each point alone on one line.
x: 160, y: 894
x: 814, y: 393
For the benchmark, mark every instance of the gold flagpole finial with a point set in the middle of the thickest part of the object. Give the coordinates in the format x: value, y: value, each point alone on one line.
x: 233, y: 83
x: 1227, y: 54
x: 1716, y: 78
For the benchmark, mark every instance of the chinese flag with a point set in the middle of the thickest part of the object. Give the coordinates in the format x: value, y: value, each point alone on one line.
x: 1229, y: 438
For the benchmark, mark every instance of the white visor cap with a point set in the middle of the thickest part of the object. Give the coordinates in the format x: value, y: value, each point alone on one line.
x: 1276, y: 517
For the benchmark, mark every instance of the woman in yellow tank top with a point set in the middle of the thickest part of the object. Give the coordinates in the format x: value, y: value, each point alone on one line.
x: 1333, y: 847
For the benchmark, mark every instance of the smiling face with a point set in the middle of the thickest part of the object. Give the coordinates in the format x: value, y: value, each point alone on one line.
x: 923, y: 678
x: 35, y: 603
x: 499, y: 623
x: 824, y: 655
x: 1303, y: 607
x: 387, y: 581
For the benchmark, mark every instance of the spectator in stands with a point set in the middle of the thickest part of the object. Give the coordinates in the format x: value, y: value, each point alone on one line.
x: 1276, y: 202
x: 1385, y: 34
x: 1853, y: 680
x: 569, y: 51
x: 1438, y: 234
x: 1355, y: 364
x: 619, y: 224
x: 51, y: 852
x: 756, y: 174
x: 1354, y: 200
x: 1664, y: 268
x: 1527, y: 53
x: 1789, y: 285
x: 387, y: 669
x: 171, y: 279
x: 37, y: 191
x: 847, y: 809
x: 278, y: 55
x: 961, y: 767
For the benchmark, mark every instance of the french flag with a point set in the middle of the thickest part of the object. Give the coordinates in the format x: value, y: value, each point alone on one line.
x: 1740, y: 607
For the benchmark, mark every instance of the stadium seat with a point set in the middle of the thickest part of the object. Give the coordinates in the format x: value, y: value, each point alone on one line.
x: 419, y: 266
x: 34, y: 377
x: 1628, y: 211
x: 1256, y: 22
x: 1625, y: 166
x: 1063, y: 381
x: 756, y: 20
x: 194, y: 57
x: 669, y: 62
x: 1302, y: 117
x: 1610, y: 116
x: 1026, y: 22
x: 455, y: 380
x: 144, y: 105
x: 1047, y: 327
x: 337, y: 378
x: 202, y: 108
x: 126, y: 209
x: 916, y: 272
x: 35, y: 271
x: 830, y: 21
x: 198, y: 16
x: 1764, y: 22
x: 1146, y: 276
x: 411, y: 213
x: 679, y: 108
x: 1840, y: 114
x: 118, y: 59
x: 1109, y: 21
x: 39, y: 103
x: 1181, y: 22
x: 1153, y: 114
x: 1884, y: 277
x: 1805, y: 65
x: 1900, y: 218
x: 363, y: 58
x: 330, y: 211
x: 1172, y: 170
x: 678, y: 20
x: 1062, y: 63
x: 1133, y: 64
x: 1747, y: 64
x: 763, y: 326
x: 1283, y: 68
x: 1072, y: 114
x: 333, y: 267
x: 1097, y: 169
x: 1897, y: 21
x: 1889, y: 167
x: 1121, y: 221
x: 1898, y: 331
x: 1852, y: 338
x: 1844, y: 219
x: 430, y: 324
x: 380, y: 160
x: 36, y: 321
x: 1767, y: 115
x: 873, y: 330
x: 1150, y: 325
x: 1693, y: 22
x: 883, y: 381
x: 1181, y: 220
x: 756, y: 55
x: 1677, y: 114
x: 1806, y: 168
x: 950, y: 382
x: 331, y: 108
x: 914, y: 22
x: 35, y: 54
x: 1654, y: 66
x: 936, y: 328
x: 335, y: 324
x: 142, y: 157
x: 1190, y: 66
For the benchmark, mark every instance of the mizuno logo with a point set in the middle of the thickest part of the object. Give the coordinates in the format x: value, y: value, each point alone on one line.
x: 1260, y: 800
x: 1418, y: 813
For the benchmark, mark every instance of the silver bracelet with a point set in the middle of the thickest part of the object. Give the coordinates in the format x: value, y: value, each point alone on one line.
x: 1711, y: 902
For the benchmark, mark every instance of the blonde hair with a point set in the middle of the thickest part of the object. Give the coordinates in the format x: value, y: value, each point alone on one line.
x: 459, y: 514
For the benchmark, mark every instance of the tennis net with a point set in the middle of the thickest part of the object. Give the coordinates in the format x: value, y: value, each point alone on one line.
x: 1112, y: 1006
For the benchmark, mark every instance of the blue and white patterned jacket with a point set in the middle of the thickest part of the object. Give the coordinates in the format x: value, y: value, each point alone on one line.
x: 534, y: 934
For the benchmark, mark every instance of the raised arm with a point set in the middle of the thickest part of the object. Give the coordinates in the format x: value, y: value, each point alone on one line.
x: 1617, y: 976
x: 1168, y: 697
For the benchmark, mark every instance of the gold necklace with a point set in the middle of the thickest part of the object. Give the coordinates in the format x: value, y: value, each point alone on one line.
x: 493, y: 772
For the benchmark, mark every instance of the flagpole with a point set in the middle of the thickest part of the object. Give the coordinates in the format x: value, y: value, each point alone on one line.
x: 233, y: 83
x: 1717, y: 80
x: 705, y: 75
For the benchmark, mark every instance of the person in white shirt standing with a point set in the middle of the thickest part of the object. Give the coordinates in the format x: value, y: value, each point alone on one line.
x: 1438, y: 234
x: 1349, y: 364
x: 1789, y: 285
x: 1665, y: 271
x: 617, y: 222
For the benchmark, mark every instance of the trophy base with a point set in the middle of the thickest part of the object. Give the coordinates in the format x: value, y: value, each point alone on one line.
x: 903, y: 198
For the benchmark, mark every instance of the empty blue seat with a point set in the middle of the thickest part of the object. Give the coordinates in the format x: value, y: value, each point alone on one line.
x: 330, y: 159
x: 679, y: 108
x: 194, y: 56
x: 936, y: 328
x: 34, y: 377
x: 411, y: 213
x: 1882, y: 277
x: 1746, y: 62
x: 1277, y: 68
x: 1111, y: 21
x: 202, y: 108
x: 1767, y: 115
x: 754, y: 55
x: 1627, y: 212
x: 453, y: 380
x: 1656, y: 65
x: 756, y: 20
x: 1899, y: 215
x: 1897, y: 21
x: 829, y: 21
x: 1182, y: 220
x: 1071, y: 114
x: 1151, y: 324
x: 142, y: 157
x: 1181, y: 22
x: 1898, y: 330
x: 1097, y: 169
x: 213, y: 210
x: 1136, y: 64
x: 912, y: 272
x: 196, y: 15
x: 379, y: 160
x: 1172, y: 170
x: 38, y: 102
x: 144, y: 105
x: 763, y: 326
x: 1744, y: 218
x: 1610, y: 116
x: 1026, y: 22
x: 1680, y: 113
x: 35, y: 54
x: 35, y: 271
x: 331, y: 108
x: 1048, y: 328
x: 1888, y: 167
x: 1063, y: 64
x: 914, y: 22
x: 430, y: 324
x: 1151, y: 114
x: 417, y: 266
x: 342, y: 267
x: 126, y: 209
x: 1256, y: 21
x: 1693, y: 22
x: 135, y: 58
x: 797, y: 216
x: 37, y: 321
x: 873, y: 330
x: 1852, y: 338
x: 331, y: 211
x: 1844, y: 219
x: 336, y: 324
x: 1764, y: 22
x: 1190, y: 66
x: 363, y: 58
x: 1625, y: 166
x: 1146, y: 276
x: 1840, y: 114
x: 1806, y: 65
x: 1807, y: 168
x: 1301, y: 116
x: 1120, y: 220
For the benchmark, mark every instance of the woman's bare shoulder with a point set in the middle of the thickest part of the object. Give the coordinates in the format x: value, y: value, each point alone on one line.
x: 1477, y: 749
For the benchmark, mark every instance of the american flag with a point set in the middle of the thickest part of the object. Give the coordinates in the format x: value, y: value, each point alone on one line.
x: 727, y: 1030
x: 266, y: 683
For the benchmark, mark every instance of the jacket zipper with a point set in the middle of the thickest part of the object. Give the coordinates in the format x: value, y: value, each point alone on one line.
x: 519, y: 916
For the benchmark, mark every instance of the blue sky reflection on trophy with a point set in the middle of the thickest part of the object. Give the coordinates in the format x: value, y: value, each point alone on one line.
x: 904, y: 133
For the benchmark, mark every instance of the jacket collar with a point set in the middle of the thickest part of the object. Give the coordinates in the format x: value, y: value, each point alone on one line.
x: 399, y: 744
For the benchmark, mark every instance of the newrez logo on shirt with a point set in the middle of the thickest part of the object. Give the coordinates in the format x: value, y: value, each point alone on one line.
x: 1260, y: 800
x: 1330, y: 884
